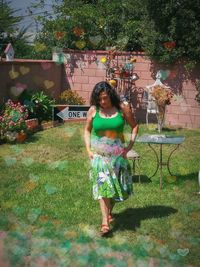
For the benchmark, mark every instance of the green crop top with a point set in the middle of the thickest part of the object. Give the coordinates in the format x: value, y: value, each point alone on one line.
x: 101, y: 124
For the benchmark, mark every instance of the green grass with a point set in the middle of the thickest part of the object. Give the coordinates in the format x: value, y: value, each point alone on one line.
x: 48, y: 212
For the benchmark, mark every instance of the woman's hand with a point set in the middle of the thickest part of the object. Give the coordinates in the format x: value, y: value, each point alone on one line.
x: 124, y: 154
x: 90, y: 154
x: 127, y: 149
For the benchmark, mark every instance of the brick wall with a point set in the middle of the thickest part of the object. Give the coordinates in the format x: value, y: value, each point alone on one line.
x: 31, y: 75
x: 83, y: 69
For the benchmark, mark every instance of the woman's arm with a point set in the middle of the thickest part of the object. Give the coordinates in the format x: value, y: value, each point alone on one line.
x: 88, y: 129
x: 129, y: 117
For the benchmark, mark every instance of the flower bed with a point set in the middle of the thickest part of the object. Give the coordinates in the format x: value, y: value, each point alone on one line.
x: 12, y: 121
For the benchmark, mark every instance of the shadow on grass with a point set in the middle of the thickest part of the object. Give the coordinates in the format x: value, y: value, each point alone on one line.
x: 166, y: 129
x: 31, y: 139
x: 143, y: 179
x: 180, y: 179
x: 131, y: 218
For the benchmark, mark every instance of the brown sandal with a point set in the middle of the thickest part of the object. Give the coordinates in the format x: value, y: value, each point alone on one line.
x: 104, y: 230
x: 110, y: 219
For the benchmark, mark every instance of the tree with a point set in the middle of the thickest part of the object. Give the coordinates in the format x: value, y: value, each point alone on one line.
x: 91, y: 25
x: 168, y: 31
x: 9, y: 32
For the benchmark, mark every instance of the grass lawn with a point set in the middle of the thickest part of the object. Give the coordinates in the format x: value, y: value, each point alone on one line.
x: 48, y: 216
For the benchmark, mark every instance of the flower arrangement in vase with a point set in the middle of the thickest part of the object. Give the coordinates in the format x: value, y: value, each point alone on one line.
x: 162, y: 97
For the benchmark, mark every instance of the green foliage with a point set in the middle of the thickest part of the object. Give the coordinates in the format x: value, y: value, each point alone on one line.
x: 168, y: 31
x: 38, y: 105
x: 71, y: 98
x: 104, y: 24
x: 10, y: 32
x: 41, y: 109
x: 7, y: 18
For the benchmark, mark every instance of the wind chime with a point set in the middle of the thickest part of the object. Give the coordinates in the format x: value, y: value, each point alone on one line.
x: 119, y: 73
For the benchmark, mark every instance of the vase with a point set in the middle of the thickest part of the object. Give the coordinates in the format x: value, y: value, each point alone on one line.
x: 160, y: 117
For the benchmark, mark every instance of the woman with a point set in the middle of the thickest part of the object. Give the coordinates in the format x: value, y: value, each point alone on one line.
x: 110, y: 172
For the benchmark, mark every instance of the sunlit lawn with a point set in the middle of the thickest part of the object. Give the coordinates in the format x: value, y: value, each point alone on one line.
x: 48, y: 214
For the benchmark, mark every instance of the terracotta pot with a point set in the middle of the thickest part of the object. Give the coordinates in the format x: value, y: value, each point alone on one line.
x: 32, y: 124
x: 47, y: 125
x: 21, y: 137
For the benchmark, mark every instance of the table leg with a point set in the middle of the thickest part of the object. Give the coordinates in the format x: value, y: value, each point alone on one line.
x: 169, y: 159
x: 158, y: 162
x: 161, y: 164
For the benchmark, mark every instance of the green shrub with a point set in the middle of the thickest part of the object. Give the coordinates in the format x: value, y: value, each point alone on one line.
x: 70, y: 97
x: 40, y: 106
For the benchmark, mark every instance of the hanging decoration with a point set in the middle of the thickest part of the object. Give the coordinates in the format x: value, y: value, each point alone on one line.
x: 133, y: 60
x: 164, y: 74
x: 95, y: 40
x: 169, y: 45
x: 113, y: 83
x: 59, y: 35
x: 103, y: 60
x: 78, y: 31
x: 80, y: 44
x: 40, y: 47
x: 173, y: 73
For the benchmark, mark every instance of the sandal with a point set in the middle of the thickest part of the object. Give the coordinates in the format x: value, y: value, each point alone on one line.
x: 110, y: 218
x: 104, y: 230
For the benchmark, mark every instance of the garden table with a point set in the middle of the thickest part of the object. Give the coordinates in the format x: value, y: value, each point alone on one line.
x: 161, y: 139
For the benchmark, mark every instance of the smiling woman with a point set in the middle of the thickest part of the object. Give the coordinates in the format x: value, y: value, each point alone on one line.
x: 110, y: 173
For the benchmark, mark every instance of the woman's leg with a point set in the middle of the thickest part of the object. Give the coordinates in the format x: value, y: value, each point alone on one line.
x: 105, y: 209
x: 112, y: 204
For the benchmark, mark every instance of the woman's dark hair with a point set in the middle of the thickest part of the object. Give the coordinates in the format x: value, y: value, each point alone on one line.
x: 104, y: 87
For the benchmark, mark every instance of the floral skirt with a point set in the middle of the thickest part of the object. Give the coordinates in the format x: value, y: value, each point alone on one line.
x: 111, y: 177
